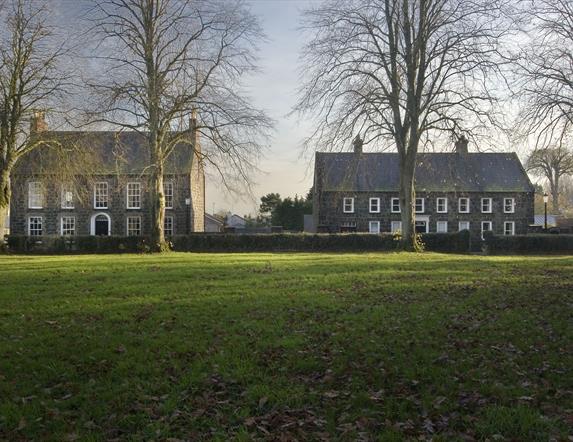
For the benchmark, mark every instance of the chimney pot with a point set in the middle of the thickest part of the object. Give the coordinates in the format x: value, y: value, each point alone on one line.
x: 357, y: 143
x: 38, y: 122
x: 462, y: 145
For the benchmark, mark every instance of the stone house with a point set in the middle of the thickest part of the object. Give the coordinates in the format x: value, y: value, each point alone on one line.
x: 359, y: 192
x: 111, y: 197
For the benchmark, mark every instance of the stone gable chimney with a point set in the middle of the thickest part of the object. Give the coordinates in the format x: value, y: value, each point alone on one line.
x: 462, y: 145
x: 357, y: 143
x: 38, y: 122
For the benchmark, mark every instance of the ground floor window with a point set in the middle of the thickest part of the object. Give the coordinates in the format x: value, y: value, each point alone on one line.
x: 348, y: 226
x: 133, y: 226
x: 442, y: 227
x: 35, y: 226
x: 464, y: 225
x: 374, y: 226
x: 486, y: 226
x: 168, y: 226
x: 509, y: 228
x: 396, y: 226
x: 421, y: 226
x: 68, y: 226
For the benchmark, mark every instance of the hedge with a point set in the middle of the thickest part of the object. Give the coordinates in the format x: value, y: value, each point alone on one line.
x: 201, y: 242
x: 536, y: 243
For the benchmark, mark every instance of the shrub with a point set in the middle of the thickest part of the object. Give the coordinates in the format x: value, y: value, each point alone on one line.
x: 538, y: 243
x: 276, y: 242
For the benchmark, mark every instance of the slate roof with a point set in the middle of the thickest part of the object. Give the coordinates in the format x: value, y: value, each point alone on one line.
x: 435, y: 172
x: 110, y: 152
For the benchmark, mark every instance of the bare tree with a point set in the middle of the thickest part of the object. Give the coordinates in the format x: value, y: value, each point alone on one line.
x: 400, y: 72
x: 551, y: 163
x: 162, y: 60
x: 31, y: 78
x: 544, y: 68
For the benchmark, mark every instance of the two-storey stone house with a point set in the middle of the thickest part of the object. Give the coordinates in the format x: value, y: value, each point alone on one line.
x: 113, y: 197
x: 359, y: 192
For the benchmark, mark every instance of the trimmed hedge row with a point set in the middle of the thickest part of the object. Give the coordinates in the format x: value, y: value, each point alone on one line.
x: 536, y: 243
x: 354, y: 242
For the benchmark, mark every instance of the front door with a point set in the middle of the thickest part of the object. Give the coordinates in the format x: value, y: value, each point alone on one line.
x: 101, y: 225
x: 421, y: 226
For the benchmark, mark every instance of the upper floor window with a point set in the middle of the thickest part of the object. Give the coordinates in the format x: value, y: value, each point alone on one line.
x: 101, y: 195
x: 464, y: 205
x: 442, y: 205
x: 68, y: 226
x: 168, y: 191
x: 395, y: 205
x: 348, y: 205
x: 374, y: 205
x: 442, y: 227
x: 133, y: 195
x: 509, y: 205
x: 168, y: 226
x: 67, y: 197
x: 509, y: 228
x: 486, y: 205
x: 420, y: 205
x: 133, y: 225
x: 35, y: 195
x: 35, y: 226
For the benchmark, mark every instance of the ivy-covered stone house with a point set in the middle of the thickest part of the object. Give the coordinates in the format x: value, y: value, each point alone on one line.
x: 359, y: 192
x: 110, y: 195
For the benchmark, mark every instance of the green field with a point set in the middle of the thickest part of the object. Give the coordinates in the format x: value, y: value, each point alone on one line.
x: 299, y: 346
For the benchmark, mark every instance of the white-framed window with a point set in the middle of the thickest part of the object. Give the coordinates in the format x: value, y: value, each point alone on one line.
x: 133, y: 195
x: 442, y: 227
x: 348, y: 205
x: 67, y: 197
x: 168, y: 192
x: 35, y: 195
x: 68, y: 226
x: 35, y: 226
x: 420, y: 203
x: 395, y: 205
x: 486, y: 205
x: 168, y: 226
x: 396, y: 226
x: 133, y: 226
x: 509, y: 228
x: 509, y: 205
x: 463, y: 225
x: 374, y: 205
x: 374, y: 226
x: 101, y: 195
x: 486, y: 226
x: 463, y: 205
x: 442, y: 205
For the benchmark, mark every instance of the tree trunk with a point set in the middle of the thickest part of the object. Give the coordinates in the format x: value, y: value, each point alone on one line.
x: 5, y: 192
x: 407, y: 206
x: 158, y: 243
x: 555, y: 195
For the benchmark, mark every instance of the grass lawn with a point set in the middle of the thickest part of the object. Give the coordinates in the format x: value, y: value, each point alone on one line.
x: 299, y: 346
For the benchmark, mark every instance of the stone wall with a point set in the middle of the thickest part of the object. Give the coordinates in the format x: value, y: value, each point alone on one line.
x: 84, y: 204
x: 329, y: 211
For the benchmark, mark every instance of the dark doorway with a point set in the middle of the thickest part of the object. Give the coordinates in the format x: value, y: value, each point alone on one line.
x: 101, y: 225
x: 421, y: 226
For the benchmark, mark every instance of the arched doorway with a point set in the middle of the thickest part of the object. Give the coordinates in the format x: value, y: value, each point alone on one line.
x: 101, y: 224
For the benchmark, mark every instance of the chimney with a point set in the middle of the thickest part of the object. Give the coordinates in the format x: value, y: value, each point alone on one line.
x: 357, y: 143
x: 462, y: 145
x: 194, y: 131
x: 38, y: 122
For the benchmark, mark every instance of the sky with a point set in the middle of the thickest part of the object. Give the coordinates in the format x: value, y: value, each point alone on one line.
x: 283, y: 170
